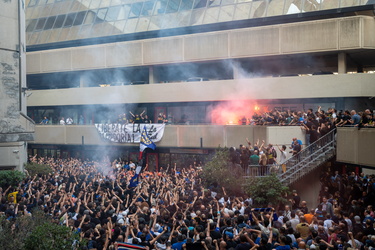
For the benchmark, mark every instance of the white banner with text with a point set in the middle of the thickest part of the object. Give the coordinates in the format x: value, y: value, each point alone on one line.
x: 129, y: 133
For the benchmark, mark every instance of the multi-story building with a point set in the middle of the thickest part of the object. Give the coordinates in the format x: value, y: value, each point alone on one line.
x: 15, y: 127
x: 198, y: 62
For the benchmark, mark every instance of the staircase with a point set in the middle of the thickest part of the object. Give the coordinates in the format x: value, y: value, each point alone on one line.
x: 309, y: 159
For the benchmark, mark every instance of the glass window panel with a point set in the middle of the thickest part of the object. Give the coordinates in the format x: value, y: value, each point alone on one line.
x: 33, y: 3
x: 197, y: 16
x: 28, y: 37
x: 186, y: 5
x: 79, y: 18
x: 258, y: 9
x: 242, y: 11
x: 101, y: 15
x: 214, y: 3
x: 275, y: 8
x: 160, y: 7
x: 95, y: 4
x: 200, y: 4
x: 349, y: 3
x: 85, y: 31
x: 31, y: 25
x: 37, y: 11
x: 54, y: 36
x: 184, y: 18
x: 143, y: 24
x: 135, y: 10
x: 211, y: 15
x: 311, y: 5
x: 40, y: 24
x: 59, y: 21
x: 170, y: 20
x: 73, y: 34
x: 64, y: 34
x: 124, y: 12
x: 105, y: 3
x: 46, y: 11
x: 69, y: 19
x: 326, y: 5
x: 43, y: 38
x: 226, y: 13
x: 118, y: 27
x: 148, y: 7
x: 156, y: 22
x: 173, y: 6
x: 28, y: 13
x: 130, y: 26
x: 34, y: 38
x: 90, y: 17
x: 293, y: 6
x: 112, y: 13
x: 100, y: 29
x: 50, y: 22
x: 227, y: 2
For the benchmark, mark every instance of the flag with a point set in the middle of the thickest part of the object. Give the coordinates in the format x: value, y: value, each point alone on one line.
x: 145, y: 142
x: 128, y: 246
x: 134, y: 180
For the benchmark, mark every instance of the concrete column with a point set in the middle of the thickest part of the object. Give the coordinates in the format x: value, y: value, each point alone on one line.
x: 236, y: 71
x: 342, y: 69
x: 151, y: 77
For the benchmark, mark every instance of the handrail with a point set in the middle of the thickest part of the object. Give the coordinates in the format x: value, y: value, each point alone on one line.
x: 314, y: 151
x: 298, y: 165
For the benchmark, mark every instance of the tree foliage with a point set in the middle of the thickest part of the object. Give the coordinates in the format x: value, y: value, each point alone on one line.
x: 50, y: 236
x: 219, y: 171
x: 34, y: 232
x: 38, y: 169
x: 10, y: 177
x: 265, y: 190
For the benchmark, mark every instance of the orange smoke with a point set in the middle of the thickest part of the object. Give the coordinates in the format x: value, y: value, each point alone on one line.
x: 232, y: 113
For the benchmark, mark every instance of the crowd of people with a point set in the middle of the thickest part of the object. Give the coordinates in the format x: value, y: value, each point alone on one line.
x: 171, y: 209
x: 287, y: 118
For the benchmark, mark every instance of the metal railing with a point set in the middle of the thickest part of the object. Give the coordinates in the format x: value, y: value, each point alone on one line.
x: 300, y: 164
x: 309, y: 158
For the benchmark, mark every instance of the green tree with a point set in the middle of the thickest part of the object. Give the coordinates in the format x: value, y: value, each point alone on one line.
x: 38, y: 169
x: 34, y: 232
x: 10, y: 177
x: 219, y: 170
x: 265, y: 190
x: 50, y: 236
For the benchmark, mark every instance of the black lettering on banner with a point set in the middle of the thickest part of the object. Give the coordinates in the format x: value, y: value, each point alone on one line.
x: 123, y: 136
x: 154, y: 136
x: 128, y: 138
x: 136, y: 128
x: 152, y: 129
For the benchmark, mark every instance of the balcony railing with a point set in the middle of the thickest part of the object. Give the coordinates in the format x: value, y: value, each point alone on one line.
x: 300, y: 164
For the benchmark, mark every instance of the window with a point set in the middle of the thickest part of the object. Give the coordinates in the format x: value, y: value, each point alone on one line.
x: 31, y: 25
x: 135, y: 10
x: 41, y: 23
x: 112, y: 13
x: 200, y: 4
x: 101, y: 15
x: 69, y: 20
x: 186, y: 5
x: 173, y: 6
x: 33, y: 3
x: 49, y: 23
x: 79, y: 18
x: 148, y: 6
x: 59, y: 21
